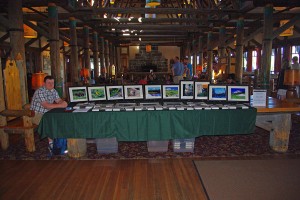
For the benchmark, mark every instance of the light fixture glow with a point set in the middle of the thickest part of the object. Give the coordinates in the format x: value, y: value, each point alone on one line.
x: 126, y: 34
x: 140, y: 19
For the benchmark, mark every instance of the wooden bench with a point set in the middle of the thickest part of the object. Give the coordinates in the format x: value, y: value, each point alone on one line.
x: 21, y: 124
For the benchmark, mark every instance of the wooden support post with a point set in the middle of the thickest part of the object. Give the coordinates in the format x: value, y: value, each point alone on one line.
x: 3, y: 135
x: 249, y: 60
x: 86, y: 48
x: 279, y: 126
x: 29, y: 134
x: 106, y: 54
x: 209, y: 70
x: 239, y: 51
x: 221, y: 48
x: 267, y: 46
x: 200, y: 47
x: 55, y: 48
x: 76, y: 147
x: 96, y: 55
x: 74, y: 52
x: 17, y: 44
x: 102, y: 59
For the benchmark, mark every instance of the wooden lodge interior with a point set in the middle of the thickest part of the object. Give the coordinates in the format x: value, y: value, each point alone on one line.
x: 117, y: 42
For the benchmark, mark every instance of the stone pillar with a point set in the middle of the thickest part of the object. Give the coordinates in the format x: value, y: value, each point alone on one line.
x: 56, y: 70
x: 16, y: 34
x: 96, y: 55
x: 267, y: 46
x: 239, y: 51
x: 209, y: 56
x: 74, y: 52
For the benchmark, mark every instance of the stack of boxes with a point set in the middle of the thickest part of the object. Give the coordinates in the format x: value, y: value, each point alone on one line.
x: 107, y: 145
x: 157, y: 146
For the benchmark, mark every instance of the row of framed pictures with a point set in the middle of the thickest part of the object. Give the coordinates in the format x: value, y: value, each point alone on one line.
x: 186, y: 90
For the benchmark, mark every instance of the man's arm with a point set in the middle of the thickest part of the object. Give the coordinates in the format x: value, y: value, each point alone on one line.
x: 59, y: 103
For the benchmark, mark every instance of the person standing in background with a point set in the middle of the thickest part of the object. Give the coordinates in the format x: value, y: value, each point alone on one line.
x: 189, y: 68
x: 177, y: 70
x: 295, y: 64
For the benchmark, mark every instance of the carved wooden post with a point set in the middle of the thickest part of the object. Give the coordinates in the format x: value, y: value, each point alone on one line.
x: 239, y: 50
x: 3, y: 135
x: 209, y: 56
x: 55, y: 48
x: 16, y: 34
x: 96, y: 54
x: 74, y: 52
x: 267, y: 46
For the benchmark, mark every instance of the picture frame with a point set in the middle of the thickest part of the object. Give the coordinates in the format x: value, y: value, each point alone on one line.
x: 187, y: 89
x: 114, y: 92
x: 201, y: 90
x: 97, y: 93
x: 78, y: 94
x: 217, y: 92
x: 238, y: 93
x: 171, y: 91
x: 153, y: 92
x: 133, y: 92
x: 124, y: 50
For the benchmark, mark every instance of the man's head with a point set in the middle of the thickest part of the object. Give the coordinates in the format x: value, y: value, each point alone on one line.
x: 49, y: 82
x: 176, y: 59
x: 185, y: 60
x: 295, y: 59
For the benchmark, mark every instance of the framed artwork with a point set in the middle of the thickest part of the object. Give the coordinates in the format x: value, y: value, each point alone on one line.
x: 170, y: 91
x: 187, y: 89
x: 133, y: 92
x: 238, y: 93
x: 201, y: 90
x: 46, y: 63
x: 124, y: 50
x: 153, y: 92
x: 97, y: 93
x: 217, y: 92
x: 78, y: 94
x: 114, y: 92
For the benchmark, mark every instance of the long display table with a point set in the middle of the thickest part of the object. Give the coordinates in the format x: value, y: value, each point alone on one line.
x: 147, y: 125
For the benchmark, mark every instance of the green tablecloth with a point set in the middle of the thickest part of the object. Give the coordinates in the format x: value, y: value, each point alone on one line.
x: 147, y: 125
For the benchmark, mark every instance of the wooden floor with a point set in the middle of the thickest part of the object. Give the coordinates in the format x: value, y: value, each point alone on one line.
x: 163, y: 179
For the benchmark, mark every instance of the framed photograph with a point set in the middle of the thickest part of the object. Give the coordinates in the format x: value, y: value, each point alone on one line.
x: 153, y: 92
x: 238, y: 93
x: 170, y: 91
x: 114, y: 92
x: 217, y: 92
x: 97, y: 93
x: 201, y: 90
x: 78, y: 94
x: 124, y: 50
x: 133, y: 92
x: 187, y: 89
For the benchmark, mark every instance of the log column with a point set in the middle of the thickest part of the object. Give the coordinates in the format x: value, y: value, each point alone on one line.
x: 258, y: 59
x: 3, y: 135
x: 55, y: 48
x: 249, y: 60
x: 277, y: 60
x: 106, y: 55
x: 200, y: 49
x: 96, y: 55
x: 267, y: 46
x: 209, y: 56
x: 221, y: 48
x: 86, y: 48
x: 74, y: 52
x: 102, y: 59
x: 239, y: 50
x: 16, y: 34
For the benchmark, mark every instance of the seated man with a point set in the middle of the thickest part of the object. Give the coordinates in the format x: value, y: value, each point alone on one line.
x: 45, y: 98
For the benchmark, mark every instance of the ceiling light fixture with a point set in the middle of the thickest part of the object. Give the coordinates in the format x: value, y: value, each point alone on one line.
x: 140, y: 19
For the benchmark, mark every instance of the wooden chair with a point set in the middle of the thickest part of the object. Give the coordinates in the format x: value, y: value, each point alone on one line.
x: 22, y: 124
